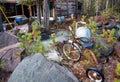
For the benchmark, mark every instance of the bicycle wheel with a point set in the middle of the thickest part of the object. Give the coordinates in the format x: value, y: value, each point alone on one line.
x: 95, y: 75
x: 72, y: 51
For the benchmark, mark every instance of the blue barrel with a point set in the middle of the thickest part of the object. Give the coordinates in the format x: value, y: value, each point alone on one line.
x: 18, y: 19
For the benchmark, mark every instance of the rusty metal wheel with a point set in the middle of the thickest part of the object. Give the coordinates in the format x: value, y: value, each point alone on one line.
x: 95, y: 74
x: 72, y: 51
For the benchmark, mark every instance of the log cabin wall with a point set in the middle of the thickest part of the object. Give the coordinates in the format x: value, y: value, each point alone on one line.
x: 65, y: 7
x: 57, y: 8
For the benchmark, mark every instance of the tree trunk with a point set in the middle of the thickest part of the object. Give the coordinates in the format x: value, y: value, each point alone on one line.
x: 22, y: 9
x: 107, y: 2
x: 38, y: 11
x: 86, y: 4
x: 54, y: 13
x: 97, y: 7
x: 46, y: 13
x: 30, y: 10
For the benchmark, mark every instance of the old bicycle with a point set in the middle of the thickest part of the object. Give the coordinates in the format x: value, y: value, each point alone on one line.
x: 73, y: 48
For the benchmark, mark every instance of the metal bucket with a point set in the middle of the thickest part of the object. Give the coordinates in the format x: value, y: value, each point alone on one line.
x: 83, y: 32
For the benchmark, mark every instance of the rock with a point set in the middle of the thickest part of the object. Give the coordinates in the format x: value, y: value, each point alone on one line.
x: 53, y: 55
x: 60, y: 36
x: 7, y: 39
x: 10, y: 55
x: 36, y: 68
x: 8, y: 48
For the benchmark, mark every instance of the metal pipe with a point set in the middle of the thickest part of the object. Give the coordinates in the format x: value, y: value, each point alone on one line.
x: 6, y: 17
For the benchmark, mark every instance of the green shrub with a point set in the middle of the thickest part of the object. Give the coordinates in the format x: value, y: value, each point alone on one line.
x: 116, y: 80
x: 117, y: 70
x: 92, y: 26
x: 31, y: 42
x: 25, y: 41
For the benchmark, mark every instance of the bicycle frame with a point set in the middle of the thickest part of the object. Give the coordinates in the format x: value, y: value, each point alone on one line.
x: 78, y: 43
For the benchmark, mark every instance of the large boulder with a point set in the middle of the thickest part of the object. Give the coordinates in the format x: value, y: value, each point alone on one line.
x: 7, y: 39
x: 9, y: 46
x: 10, y: 57
x: 36, y: 68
